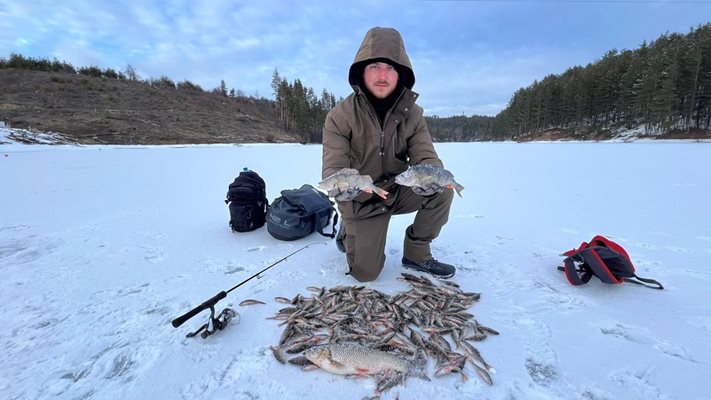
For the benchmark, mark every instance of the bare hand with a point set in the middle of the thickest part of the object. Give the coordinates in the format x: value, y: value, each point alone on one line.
x: 428, y: 190
x: 344, y: 195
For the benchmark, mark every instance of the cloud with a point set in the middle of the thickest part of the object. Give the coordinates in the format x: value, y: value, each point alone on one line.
x: 468, y: 56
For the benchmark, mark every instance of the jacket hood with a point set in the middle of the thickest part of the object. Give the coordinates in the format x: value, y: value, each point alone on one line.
x: 387, y: 45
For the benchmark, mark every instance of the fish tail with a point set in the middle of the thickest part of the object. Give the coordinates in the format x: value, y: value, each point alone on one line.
x: 380, y: 192
x: 484, y: 375
x: 458, y: 188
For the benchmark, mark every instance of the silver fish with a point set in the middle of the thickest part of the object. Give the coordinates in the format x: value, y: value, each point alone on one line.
x: 278, y: 354
x: 348, y: 178
x: 422, y: 175
x: 351, y: 359
x: 250, y: 302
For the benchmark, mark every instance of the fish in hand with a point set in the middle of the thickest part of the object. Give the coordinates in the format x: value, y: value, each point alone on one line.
x: 347, y: 183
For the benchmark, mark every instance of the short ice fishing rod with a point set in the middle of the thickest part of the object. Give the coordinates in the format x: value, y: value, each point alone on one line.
x: 219, y: 323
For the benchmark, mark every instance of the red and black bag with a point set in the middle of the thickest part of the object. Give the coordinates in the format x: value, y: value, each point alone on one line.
x: 605, y: 259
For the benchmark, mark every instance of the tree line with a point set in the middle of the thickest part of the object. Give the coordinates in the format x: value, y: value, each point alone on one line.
x: 18, y: 61
x: 299, y: 110
x: 462, y: 128
x: 661, y: 86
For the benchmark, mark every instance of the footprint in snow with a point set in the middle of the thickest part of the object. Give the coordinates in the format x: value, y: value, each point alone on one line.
x: 644, y: 336
x: 226, y: 267
x: 595, y: 394
x: 628, y: 333
x: 678, y: 249
x: 17, y: 251
x: 14, y: 228
x: 503, y: 240
x: 153, y: 255
x: 702, y: 322
x: 551, y: 297
x: 541, y: 359
x: 134, y: 289
x: 639, y: 381
x: 93, y: 369
x: 646, y: 246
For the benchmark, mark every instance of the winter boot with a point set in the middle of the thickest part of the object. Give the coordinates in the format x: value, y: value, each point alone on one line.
x: 431, y: 266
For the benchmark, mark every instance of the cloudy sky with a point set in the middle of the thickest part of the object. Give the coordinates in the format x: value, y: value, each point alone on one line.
x: 469, y: 56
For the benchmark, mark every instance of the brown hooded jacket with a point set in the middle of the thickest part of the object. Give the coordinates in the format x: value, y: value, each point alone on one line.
x: 352, y: 133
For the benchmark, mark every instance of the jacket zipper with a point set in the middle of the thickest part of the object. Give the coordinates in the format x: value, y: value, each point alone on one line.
x: 382, y: 131
x: 374, y: 115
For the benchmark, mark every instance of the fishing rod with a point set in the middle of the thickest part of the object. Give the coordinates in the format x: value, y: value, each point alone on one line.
x: 219, y: 323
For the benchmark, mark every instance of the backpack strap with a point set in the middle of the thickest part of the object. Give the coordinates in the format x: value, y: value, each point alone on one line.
x: 576, y: 276
x: 650, y: 283
x: 591, y: 257
x: 319, y: 229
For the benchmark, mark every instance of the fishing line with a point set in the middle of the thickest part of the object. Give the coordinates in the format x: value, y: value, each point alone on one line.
x: 220, y: 322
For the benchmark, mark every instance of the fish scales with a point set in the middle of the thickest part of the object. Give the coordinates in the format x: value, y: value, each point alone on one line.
x: 423, y: 175
x: 346, y: 359
x: 349, y: 179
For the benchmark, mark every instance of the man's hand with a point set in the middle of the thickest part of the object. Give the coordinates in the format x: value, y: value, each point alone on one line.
x: 347, y: 194
x: 429, y: 190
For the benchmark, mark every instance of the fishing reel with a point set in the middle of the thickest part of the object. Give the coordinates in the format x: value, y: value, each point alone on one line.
x: 215, y: 324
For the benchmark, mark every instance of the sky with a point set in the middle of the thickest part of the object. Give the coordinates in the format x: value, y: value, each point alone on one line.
x: 469, y: 57
x: 101, y: 247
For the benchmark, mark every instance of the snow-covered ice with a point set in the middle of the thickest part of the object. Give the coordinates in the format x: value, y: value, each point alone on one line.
x: 102, y: 246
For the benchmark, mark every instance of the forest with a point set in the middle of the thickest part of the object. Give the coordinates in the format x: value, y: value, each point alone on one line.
x: 661, y: 87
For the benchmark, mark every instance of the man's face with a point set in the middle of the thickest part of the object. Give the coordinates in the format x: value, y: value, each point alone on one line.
x: 380, y: 78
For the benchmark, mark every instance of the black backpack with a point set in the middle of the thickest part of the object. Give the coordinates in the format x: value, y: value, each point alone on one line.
x: 605, y: 259
x: 247, y: 201
x: 298, y: 212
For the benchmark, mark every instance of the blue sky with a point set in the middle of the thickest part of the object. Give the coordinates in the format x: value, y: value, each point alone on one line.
x: 469, y: 57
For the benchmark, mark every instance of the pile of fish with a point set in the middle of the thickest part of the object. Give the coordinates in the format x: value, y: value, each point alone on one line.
x: 352, y: 330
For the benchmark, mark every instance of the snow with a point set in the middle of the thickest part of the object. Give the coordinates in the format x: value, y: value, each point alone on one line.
x: 101, y: 247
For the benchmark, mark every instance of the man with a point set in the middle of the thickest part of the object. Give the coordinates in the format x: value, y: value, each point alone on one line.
x: 379, y: 131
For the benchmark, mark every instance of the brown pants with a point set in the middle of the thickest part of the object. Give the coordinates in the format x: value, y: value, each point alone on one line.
x: 366, y: 227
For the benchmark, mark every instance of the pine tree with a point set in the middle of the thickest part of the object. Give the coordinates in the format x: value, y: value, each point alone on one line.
x: 223, y: 88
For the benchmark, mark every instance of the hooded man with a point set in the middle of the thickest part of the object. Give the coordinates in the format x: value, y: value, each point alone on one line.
x: 379, y: 131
